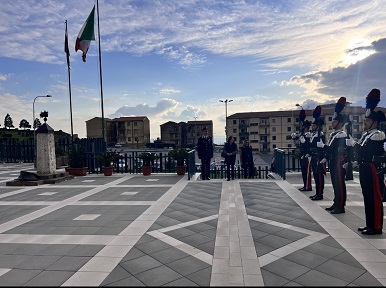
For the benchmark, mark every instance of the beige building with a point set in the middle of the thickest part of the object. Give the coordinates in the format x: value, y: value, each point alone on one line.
x: 128, y: 131
x: 269, y: 130
x: 184, y: 134
x: 94, y: 128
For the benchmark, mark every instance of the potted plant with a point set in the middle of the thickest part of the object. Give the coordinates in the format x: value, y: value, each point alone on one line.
x: 180, y: 155
x: 107, y: 158
x: 76, y: 162
x: 61, y: 157
x: 147, y: 158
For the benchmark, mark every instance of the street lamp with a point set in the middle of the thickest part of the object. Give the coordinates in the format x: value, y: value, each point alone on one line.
x: 298, y: 105
x: 194, y: 130
x: 33, y: 115
x: 226, y: 116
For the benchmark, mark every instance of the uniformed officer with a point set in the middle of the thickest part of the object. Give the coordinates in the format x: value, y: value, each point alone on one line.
x: 335, y: 155
x: 304, y: 147
x: 368, y: 146
x: 318, y: 162
x: 205, y: 153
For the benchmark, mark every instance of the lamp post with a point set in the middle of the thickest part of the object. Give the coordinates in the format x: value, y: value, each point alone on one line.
x: 33, y: 115
x: 298, y: 105
x: 226, y: 116
x: 194, y: 130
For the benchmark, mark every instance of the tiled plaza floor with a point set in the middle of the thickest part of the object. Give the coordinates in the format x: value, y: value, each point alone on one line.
x: 163, y: 230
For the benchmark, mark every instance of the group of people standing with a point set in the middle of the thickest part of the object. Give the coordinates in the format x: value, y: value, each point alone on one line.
x: 342, y: 150
x: 205, y: 154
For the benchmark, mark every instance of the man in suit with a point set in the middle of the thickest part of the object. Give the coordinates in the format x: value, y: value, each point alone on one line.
x: 205, y: 153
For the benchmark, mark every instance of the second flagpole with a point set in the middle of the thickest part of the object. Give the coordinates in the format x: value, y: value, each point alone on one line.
x: 100, y: 75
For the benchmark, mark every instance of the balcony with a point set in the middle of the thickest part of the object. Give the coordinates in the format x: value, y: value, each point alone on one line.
x: 264, y: 123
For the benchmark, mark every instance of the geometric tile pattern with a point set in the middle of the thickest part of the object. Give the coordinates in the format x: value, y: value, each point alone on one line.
x: 125, y: 230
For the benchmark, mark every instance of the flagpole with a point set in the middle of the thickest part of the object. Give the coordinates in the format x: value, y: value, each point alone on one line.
x: 69, y: 82
x: 100, y: 74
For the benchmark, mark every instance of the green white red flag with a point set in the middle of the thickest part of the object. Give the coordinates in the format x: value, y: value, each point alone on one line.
x: 86, y: 35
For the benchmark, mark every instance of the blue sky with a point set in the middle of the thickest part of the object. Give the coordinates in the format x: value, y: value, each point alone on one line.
x: 173, y: 60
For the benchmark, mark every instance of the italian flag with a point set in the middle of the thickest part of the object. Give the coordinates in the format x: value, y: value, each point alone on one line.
x: 86, y: 35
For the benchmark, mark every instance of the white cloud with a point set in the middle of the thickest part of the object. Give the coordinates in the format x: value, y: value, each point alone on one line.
x: 168, y: 91
x: 353, y: 81
x: 309, y: 33
x: 4, y: 77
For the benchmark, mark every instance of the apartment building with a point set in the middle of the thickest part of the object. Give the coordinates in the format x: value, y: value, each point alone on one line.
x: 269, y: 130
x: 184, y: 134
x: 128, y: 131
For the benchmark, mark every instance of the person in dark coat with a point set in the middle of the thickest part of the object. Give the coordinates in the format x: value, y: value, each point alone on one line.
x: 370, y: 178
x: 205, y: 153
x: 246, y: 158
x: 230, y: 148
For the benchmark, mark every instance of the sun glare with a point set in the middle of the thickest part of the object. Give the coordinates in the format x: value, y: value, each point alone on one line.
x: 358, y: 49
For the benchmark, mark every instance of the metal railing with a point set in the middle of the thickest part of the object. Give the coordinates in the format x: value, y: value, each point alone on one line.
x: 191, y: 163
x: 279, y: 162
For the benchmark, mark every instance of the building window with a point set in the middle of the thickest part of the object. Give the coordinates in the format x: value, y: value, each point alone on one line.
x: 274, y: 146
x: 289, y: 120
x: 235, y: 138
x: 128, y: 139
x: 273, y: 120
x: 289, y: 129
x: 274, y: 138
x: 273, y: 129
x: 234, y: 130
x: 135, y: 123
x: 355, y: 118
x: 234, y: 122
x: 355, y: 128
x: 289, y: 145
x: 329, y: 118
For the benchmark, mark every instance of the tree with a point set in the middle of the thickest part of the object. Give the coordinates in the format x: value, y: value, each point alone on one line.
x: 37, y: 123
x: 24, y: 124
x: 8, y: 122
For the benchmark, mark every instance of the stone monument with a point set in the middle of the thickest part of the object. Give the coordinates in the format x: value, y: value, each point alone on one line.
x: 45, y: 160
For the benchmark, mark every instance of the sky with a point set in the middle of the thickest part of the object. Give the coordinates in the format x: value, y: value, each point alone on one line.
x: 174, y: 60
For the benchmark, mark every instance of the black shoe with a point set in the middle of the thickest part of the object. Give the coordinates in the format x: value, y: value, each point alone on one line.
x: 207, y: 178
x: 317, y: 197
x: 370, y: 231
x: 233, y: 178
x: 313, y: 196
x: 302, y: 189
x: 330, y: 208
x: 310, y: 189
x: 362, y: 229
x: 228, y: 179
x: 338, y: 211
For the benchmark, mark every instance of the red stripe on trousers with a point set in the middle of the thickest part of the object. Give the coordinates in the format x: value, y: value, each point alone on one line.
x: 377, y: 198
